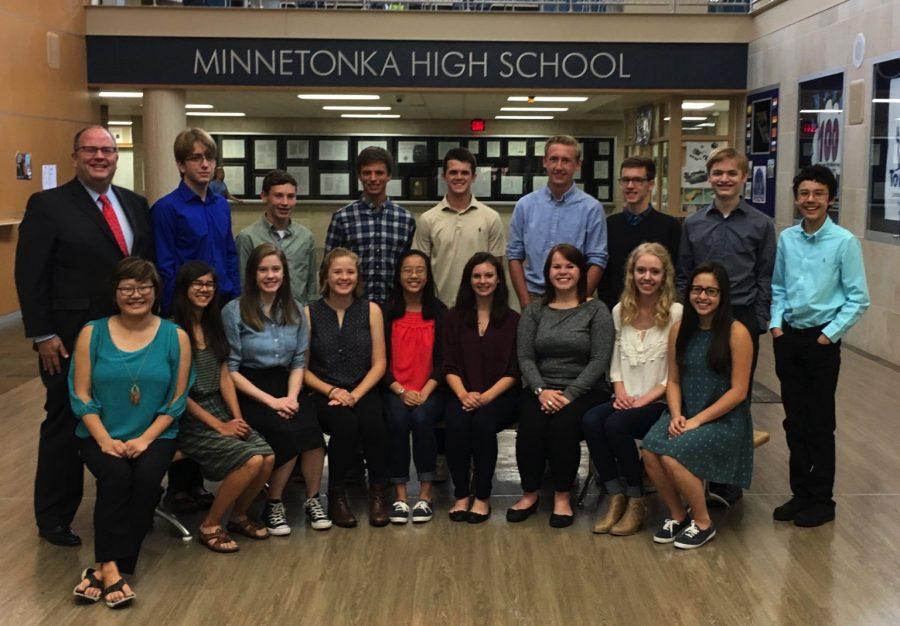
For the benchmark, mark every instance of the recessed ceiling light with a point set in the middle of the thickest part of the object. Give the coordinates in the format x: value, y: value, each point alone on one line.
x: 337, y: 96
x: 887, y: 100
x: 547, y: 99
x: 821, y: 110
x: 536, y: 109
x: 215, y: 114
x: 336, y: 107
x: 693, y: 118
x: 523, y: 117
x: 688, y: 105
x: 121, y: 94
x: 706, y: 125
x: 198, y: 106
x: 372, y: 115
x: 119, y: 123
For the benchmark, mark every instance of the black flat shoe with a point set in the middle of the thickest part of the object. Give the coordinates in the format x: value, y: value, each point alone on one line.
x: 458, y: 516
x: 477, y: 518
x: 61, y: 536
x: 561, y: 521
x: 520, y: 515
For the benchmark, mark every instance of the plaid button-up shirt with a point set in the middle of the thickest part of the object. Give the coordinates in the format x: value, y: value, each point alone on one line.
x: 379, y: 235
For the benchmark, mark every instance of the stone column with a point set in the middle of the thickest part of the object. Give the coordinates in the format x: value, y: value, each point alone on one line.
x: 164, y: 118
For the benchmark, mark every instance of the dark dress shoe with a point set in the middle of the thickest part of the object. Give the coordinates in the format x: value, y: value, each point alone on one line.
x: 61, y: 536
x: 520, y: 515
x: 561, y: 521
x: 379, y: 508
x: 477, y: 518
x: 788, y: 511
x: 339, y: 510
x: 815, y: 515
x: 459, y: 516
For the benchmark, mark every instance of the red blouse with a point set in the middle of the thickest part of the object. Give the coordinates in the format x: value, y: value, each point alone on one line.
x: 412, y: 343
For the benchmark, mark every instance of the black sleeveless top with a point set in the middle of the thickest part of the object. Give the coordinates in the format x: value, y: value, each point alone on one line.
x: 340, y: 355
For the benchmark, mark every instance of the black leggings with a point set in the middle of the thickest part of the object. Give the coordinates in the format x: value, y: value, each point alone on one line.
x: 363, y: 424
x: 556, y: 437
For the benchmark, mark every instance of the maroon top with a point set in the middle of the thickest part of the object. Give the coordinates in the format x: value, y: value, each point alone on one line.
x: 480, y: 361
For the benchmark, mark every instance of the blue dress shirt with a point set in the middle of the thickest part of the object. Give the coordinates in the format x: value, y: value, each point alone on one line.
x: 819, y: 280
x: 276, y: 345
x: 540, y: 221
x: 187, y: 228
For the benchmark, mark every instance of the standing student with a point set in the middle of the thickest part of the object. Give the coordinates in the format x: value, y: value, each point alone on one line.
x: 742, y: 239
x: 564, y: 344
x: 482, y: 372
x: 70, y: 240
x: 819, y: 292
x: 214, y: 433
x: 558, y: 213
x: 268, y: 335
x: 275, y: 226
x: 414, y: 398
x: 128, y: 387
x: 643, y: 318
x: 637, y: 223
x: 347, y: 360
x: 458, y: 226
x: 706, y: 433
x: 375, y: 228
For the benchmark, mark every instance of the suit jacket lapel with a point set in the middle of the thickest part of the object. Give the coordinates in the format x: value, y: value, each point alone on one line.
x: 84, y: 203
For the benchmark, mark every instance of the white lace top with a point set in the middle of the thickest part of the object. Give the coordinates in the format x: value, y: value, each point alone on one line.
x: 639, y: 356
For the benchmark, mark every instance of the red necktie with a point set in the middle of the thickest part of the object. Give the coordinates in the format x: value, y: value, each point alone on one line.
x: 109, y: 215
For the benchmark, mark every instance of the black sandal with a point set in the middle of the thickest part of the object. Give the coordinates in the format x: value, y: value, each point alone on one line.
x: 117, y: 586
x: 88, y: 574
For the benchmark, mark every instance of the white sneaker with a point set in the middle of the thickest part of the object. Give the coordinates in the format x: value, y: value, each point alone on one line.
x: 316, y: 515
x: 274, y: 517
x: 399, y: 512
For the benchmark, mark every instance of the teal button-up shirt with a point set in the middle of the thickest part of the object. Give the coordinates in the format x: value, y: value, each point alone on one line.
x: 819, y: 280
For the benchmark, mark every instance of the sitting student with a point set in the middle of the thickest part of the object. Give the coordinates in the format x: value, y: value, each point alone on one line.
x: 215, y: 434
x: 268, y: 337
x: 706, y: 433
x: 128, y: 386
x: 564, y: 344
x: 346, y: 361
x: 643, y: 318
x: 482, y: 371
x: 413, y: 325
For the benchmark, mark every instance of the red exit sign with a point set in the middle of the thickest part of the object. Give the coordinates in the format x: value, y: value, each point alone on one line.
x: 477, y: 126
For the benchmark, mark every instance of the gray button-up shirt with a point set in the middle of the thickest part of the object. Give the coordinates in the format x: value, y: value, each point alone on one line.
x: 743, y: 242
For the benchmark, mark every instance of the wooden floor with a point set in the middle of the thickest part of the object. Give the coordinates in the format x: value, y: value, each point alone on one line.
x: 755, y: 572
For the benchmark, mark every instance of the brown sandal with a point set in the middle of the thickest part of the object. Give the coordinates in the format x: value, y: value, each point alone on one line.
x: 214, y: 540
x: 248, y: 528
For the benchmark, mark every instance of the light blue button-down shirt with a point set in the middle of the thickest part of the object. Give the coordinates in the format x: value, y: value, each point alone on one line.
x: 276, y: 345
x: 819, y: 280
x: 540, y: 221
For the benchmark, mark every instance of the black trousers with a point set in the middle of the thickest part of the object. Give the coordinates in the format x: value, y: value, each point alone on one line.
x: 808, y: 372
x: 746, y: 315
x: 362, y: 425
x: 472, y: 436
x: 59, y: 480
x: 555, y: 437
x: 128, y: 491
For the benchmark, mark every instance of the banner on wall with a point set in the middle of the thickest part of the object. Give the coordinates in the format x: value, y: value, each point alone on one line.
x: 892, y: 162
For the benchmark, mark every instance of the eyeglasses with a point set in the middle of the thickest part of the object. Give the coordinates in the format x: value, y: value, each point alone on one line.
x: 198, y: 158
x: 204, y: 284
x: 712, y: 292
x: 818, y: 194
x: 92, y: 150
x: 413, y: 271
x: 143, y: 290
x: 635, y: 180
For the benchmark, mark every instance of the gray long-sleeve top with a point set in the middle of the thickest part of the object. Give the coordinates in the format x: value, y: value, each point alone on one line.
x: 567, y: 349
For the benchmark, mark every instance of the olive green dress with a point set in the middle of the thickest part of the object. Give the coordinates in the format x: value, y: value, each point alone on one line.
x: 216, y: 454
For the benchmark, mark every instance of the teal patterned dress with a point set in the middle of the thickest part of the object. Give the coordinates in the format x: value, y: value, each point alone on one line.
x: 216, y: 454
x: 720, y: 451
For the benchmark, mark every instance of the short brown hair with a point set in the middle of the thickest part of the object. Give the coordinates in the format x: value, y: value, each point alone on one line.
x: 372, y: 155
x: 566, y: 140
x: 141, y: 270
x: 640, y: 161
x: 573, y: 255
x: 275, y: 178
x: 338, y: 253
x: 184, y: 144
x: 723, y: 154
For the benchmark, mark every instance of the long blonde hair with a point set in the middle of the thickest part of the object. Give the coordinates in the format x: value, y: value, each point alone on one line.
x: 628, y: 301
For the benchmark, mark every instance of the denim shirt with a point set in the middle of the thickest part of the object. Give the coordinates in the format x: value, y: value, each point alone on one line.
x: 276, y: 345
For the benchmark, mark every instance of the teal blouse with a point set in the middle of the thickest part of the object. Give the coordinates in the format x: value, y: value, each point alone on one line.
x: 155, y: 367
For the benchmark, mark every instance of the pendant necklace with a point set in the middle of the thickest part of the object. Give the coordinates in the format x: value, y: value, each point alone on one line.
x: 134, y: 394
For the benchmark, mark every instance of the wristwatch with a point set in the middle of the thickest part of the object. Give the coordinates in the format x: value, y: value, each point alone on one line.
x: 538, y: 391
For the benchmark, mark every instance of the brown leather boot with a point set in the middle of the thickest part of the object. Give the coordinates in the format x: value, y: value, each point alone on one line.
x: 379, y: 509
x: 613, y: 513
x: 339, y: 509
x: 633, y: 519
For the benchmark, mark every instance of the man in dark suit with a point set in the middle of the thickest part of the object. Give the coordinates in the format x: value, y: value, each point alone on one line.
x: 70, y: 240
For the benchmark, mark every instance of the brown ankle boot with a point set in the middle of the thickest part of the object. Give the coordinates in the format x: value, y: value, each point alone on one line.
x: 633, y: 519
x: 613, y: 513
x: 339, y: 509
x: 379, y: 509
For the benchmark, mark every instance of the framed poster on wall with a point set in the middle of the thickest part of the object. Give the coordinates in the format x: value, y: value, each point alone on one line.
x: 761, y: 126
x: 883, y: 216
x: 820, y: 128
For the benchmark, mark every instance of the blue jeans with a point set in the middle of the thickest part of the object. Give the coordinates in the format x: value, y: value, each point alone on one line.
x: 419, y: 420
x: 610, y: 436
